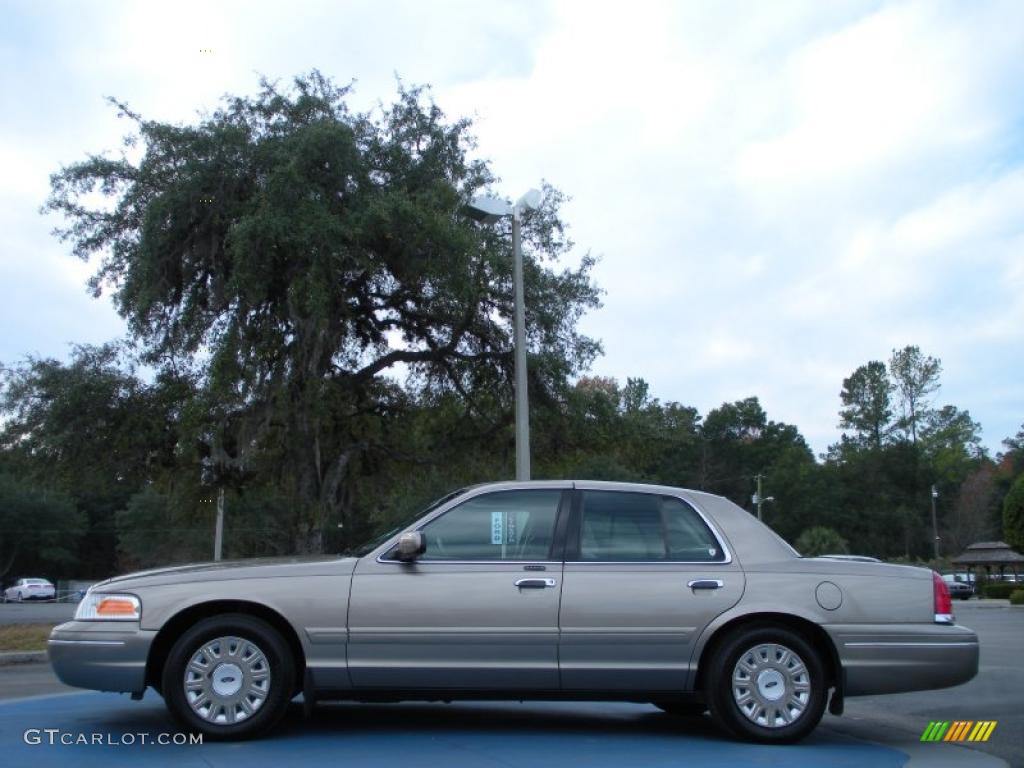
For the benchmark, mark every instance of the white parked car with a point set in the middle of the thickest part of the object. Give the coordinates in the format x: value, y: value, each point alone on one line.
x: 29, y: 589
x: 958, y: 589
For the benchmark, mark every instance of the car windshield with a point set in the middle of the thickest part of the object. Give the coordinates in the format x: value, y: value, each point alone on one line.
x: 376, y: 541
x: 37, y: 581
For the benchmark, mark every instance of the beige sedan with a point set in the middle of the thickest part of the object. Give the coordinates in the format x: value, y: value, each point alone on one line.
x: 538, y: 590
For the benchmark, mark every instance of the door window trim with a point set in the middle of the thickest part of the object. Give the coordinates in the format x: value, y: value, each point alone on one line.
x: 556, y: 552
x: 572, y: 545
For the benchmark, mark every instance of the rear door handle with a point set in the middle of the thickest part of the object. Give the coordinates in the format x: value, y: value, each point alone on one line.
x: 535, y: 583
x: 705, y: 584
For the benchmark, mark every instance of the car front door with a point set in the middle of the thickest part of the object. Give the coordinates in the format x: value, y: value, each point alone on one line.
x: 644, y: 574
x: 477, y: 610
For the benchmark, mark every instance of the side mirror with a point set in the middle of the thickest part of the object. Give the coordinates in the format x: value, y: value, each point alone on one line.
x: 410, y: 546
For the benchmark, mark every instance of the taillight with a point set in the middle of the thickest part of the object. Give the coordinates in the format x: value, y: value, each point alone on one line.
x: 943, y: 602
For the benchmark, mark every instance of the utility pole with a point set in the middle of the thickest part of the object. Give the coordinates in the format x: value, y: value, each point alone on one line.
x: 935, y: 526
x: 759, y: 498
x: 218, y: 535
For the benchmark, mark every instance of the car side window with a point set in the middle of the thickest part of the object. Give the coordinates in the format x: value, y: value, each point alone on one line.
x: 508, y: 525
x: 619, y: 526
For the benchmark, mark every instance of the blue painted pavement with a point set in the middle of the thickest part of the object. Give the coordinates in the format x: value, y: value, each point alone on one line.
x: 462, y: 735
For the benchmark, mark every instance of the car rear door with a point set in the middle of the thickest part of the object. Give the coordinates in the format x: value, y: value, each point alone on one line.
x: 645, y: 572
x: 478, y: 610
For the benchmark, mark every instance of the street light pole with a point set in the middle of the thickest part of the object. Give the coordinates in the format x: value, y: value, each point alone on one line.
x: 519, y: 341
x: 488, y: 210
x: 935, y: 526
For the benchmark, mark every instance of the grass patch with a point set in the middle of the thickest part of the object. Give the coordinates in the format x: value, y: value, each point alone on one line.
x: 24, y: 637
x: 999, y: 590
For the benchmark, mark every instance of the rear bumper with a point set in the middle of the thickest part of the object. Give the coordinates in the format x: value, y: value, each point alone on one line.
x: 103, y: 656
x: 894, y: 658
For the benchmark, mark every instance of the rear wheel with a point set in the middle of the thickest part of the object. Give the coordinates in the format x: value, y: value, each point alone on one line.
x: 766, y: 684
x: 229, y: 677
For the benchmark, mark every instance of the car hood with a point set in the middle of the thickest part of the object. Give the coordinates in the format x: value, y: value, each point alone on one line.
x: 252, y: 568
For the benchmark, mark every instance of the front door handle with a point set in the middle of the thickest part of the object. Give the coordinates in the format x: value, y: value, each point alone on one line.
x: 705, y: 584
x: 535, y: 583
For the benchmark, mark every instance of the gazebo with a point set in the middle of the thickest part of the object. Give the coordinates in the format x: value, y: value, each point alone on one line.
x: 990, y: 555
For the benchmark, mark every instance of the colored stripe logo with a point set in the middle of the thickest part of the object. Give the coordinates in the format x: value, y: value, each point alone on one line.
x: 959, y: 730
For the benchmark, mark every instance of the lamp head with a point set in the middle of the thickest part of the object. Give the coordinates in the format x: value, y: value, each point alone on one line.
x: 530, y: 200
x: 487, y: 210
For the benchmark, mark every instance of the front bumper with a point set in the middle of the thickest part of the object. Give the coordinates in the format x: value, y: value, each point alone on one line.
x: 103, y: 656
x: 895, y: 658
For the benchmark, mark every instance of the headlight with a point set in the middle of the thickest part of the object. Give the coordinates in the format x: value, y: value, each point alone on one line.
x: 97, y: 606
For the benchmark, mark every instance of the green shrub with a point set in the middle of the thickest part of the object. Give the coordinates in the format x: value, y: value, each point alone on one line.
x: 1017, y: 597
x: 999, y: 589
x: 820, y: 540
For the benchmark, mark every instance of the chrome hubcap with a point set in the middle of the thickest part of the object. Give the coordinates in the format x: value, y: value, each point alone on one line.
x: 771, y: 685
x: 227, y: 680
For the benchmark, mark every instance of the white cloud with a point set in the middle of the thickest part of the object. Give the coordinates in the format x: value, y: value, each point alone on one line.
x: 862, y: 98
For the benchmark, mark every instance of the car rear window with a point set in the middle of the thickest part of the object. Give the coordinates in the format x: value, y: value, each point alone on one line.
x: 621, y: 526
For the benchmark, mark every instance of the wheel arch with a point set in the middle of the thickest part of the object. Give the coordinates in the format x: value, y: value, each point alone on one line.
x: 813, y: 632
x: 173, y: 628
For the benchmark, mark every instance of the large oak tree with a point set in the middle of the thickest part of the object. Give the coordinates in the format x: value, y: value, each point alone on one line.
x: 290, y: 252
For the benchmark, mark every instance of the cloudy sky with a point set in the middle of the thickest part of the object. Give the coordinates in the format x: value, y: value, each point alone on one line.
x: 778, y: 191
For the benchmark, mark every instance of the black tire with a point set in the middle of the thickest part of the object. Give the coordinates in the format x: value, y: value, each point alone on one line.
x: 755, y: 643
x: 682, y: 708
x: 203, y: 638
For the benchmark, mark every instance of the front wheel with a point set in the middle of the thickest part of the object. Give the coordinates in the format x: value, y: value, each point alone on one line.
x: 229, y: 677
x: 766, y: 684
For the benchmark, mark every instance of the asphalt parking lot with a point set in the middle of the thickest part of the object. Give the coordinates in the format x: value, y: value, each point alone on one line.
x: 36, y: 613
x: 880, y: 731
x: 997, y: 693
